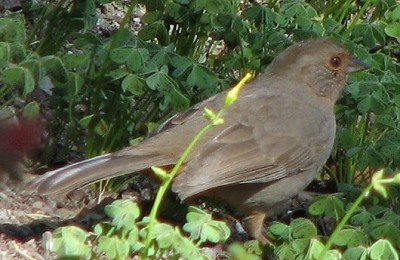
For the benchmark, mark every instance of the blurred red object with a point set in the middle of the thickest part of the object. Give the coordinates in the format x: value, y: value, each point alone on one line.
x: 18, y: 138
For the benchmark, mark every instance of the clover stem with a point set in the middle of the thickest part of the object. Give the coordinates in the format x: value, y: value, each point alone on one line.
x: 344, y: 220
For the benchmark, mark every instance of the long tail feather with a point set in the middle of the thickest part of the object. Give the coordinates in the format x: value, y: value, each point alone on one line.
x: 102, y: 167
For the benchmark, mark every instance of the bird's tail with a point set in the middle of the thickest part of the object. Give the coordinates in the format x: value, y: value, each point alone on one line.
x: 92, y: 170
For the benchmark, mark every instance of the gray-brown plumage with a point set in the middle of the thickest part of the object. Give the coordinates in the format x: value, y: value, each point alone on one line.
x: 273, y: 142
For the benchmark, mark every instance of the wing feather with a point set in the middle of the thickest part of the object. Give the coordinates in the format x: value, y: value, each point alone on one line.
x: 227, y: 161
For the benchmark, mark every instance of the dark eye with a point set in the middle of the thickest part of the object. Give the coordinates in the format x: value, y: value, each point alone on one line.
x: 336, y: 61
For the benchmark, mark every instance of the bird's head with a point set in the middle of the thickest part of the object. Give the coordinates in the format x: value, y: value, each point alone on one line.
x: 321, y: 64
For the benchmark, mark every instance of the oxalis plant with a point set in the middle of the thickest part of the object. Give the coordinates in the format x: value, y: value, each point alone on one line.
x: 381, y: 249
x: 360, y: 232
x: 125, y: 234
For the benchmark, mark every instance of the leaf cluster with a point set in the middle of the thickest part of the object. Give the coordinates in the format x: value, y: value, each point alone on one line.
x: 125, y: 234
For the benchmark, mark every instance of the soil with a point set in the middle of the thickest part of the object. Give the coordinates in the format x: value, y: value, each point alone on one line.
x: 26, y: 220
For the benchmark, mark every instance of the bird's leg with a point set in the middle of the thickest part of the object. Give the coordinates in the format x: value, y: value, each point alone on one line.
x: 253, y: 223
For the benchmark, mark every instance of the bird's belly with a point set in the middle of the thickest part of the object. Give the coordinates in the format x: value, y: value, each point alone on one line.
x: 268, y: 197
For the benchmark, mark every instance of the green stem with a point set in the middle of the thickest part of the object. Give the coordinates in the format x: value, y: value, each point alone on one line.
x: 214, y: 119
x: 359, y: 14
x: 344, y: 220
x: 344, y: 10
x: 168, y: 181
x: 115, y: 40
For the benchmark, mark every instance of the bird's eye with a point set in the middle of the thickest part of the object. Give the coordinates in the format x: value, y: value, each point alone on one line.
x: 336, y: 61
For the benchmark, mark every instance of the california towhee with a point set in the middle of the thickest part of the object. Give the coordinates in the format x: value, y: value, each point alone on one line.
x: 274, y: 139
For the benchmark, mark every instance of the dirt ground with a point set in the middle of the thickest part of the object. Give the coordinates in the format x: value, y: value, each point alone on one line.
x: 26, y: 220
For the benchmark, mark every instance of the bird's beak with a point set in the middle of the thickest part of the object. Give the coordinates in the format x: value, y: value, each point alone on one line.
x: 356, y: 65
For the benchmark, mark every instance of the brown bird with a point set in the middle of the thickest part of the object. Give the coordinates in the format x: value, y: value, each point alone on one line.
x: 274, y: 139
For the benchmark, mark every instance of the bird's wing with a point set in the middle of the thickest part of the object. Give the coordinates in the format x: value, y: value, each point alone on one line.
x: 245, y: 152
x: 228, y: 162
